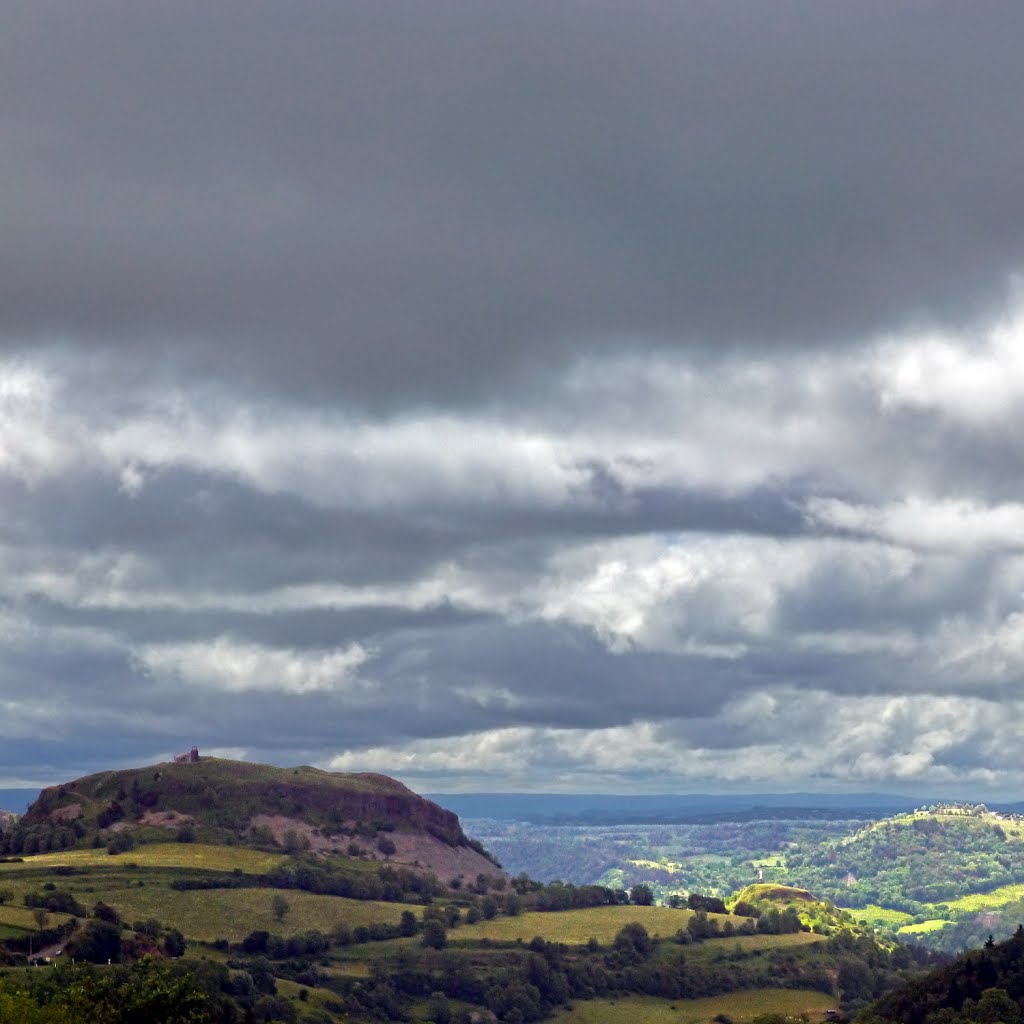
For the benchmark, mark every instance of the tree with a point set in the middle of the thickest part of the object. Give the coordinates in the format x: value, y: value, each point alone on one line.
x: 634, y: 936
x: 100, y: 942
x: 122, y: 842
x: 438, y: 1008
x: 41, y: 917
x: 294, y: 843
x: 6, y: 896
x: 408, y: 925
x: 279, y: 906
x: 995, y: 1007
x: 434, y: 934
x: 174, y: 943
x: 642, y: 895
x: 105, y: 912
x: 386, y: 846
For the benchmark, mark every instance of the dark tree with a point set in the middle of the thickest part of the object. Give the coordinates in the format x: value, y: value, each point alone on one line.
x: 642, y: 895
x: 434, y: 934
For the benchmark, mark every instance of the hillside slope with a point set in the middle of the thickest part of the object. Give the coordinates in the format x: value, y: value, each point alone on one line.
x: 215, y: 800
x: 984, y: 985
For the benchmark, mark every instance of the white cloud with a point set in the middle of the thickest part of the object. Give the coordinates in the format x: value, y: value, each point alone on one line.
x: 807, y: 739
x: 977, y: 380
x: 941, y: 524
x: 228, y: 665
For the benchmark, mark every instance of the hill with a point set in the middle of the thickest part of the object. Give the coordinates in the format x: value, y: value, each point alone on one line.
x: 693, y: 808
x: 784, y: 904
x: 984, y: 985
x: 212, y: 800
x: 926, y: 857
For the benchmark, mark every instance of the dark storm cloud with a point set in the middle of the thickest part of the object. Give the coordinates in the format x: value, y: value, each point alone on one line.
x: 402, y: 200
x: 543, y: 393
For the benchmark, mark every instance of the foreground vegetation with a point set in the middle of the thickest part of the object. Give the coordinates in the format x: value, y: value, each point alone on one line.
x: 270, y: 951
x: 739, y: 1007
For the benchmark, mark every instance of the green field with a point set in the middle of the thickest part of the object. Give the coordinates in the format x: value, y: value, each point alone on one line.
x: 988, y: 900
x: 924, y: 926
x: 873, y: 913
x: 576, y: 927
x: 740, y: 1006
x: 157, y: 855
x: 232, y: 914
x: 21, y: 918
x: 777, y: 861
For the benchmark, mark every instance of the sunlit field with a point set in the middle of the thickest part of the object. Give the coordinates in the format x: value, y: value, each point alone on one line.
x: 156, y: 855
x: 739, y: 1006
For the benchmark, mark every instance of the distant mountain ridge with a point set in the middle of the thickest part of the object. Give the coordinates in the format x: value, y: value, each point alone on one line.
x: 566, y: 808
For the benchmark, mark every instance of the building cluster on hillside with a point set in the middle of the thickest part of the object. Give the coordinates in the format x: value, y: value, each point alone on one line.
x: 968, y: 810
x: 954, y: 807
x: 191, y: 755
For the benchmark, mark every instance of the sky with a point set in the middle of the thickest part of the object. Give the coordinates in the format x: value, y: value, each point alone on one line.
x: 543, y: 395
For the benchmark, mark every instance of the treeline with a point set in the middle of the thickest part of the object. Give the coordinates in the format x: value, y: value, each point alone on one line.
x: 529, y: 982
x: 982, y: 987
x: 970, y: 931
x: 185, y: 992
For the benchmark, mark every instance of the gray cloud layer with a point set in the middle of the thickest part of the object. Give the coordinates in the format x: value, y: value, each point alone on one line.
x: 542, y: 395
x: 405, y: 201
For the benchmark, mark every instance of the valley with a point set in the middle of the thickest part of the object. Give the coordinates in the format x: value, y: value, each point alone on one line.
x: 944, y: 875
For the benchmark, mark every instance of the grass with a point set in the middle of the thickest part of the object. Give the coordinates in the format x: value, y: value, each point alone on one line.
x: 740, y: 1006
x: 987, y: 900
x: 21, y: 918
x: 924, y: 926
x: 775, y: 861
x: 576, y: 927
x: 748, y: 943
x: 156, y: 855
x: 232, y: 914
x: 873, y: 913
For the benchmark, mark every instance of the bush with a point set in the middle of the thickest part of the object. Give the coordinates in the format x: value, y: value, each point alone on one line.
x: 434, y: 934
x: 120, y: 843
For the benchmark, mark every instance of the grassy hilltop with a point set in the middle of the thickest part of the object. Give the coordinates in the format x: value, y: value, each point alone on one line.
x: 221, y: 800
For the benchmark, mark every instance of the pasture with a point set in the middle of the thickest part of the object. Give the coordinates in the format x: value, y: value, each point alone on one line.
x: 155, y: 855
x: 875, y: 914
x: 577, y: 927
x: 22, y: 919
x: 207, y: 915
x: 740, y: 1006
x: 988, y: 900
x: 924, y: 926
